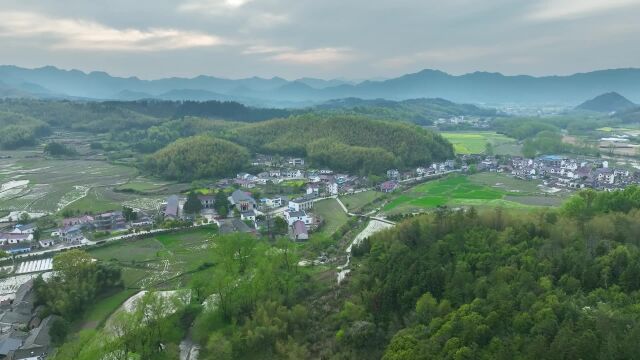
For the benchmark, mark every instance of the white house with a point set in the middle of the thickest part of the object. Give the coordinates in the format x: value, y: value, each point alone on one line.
x: 296, y: 161
x: 9, y: 238
x: 292, y: 216
x: 24, y: 229
x: 332, y: 188
x: 302, y: 203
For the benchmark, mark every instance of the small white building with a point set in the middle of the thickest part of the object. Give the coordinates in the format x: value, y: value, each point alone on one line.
x: 293, y: 216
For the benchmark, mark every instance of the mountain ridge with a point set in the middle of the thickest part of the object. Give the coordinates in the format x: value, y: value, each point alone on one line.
x: 480, y: 87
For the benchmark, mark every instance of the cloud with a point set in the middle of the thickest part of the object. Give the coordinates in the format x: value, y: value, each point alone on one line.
x: 266, y: 49
x: 439, y: 56
x: 267, y: 20
x: 317, y: 56
x: 65, y: 33
x: 571, y: 9
x: 212, y: 6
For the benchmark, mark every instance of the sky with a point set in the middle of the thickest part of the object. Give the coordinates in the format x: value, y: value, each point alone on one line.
x: 352, y: 39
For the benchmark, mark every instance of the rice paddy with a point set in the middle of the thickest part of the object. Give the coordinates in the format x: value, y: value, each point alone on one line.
x: 29, y: 182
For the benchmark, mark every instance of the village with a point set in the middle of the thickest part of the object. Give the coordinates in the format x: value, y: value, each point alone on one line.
x: 281, y: 198
x: 278, y: 201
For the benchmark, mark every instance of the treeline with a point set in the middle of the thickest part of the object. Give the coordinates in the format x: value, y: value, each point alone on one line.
x: 17, y: 130
x: 418, y: 111
x: 549, y: 142
x: 491, y: 285
x: 523, y: 128
x: 156, y: 137
x: 197, y: 157
x: 76, y: 283
x: 228, y: 110
x: 112, y: 116
x: 355, y: 137
x: 93, y: 117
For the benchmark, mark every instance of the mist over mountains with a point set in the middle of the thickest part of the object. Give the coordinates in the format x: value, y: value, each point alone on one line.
x: 477, y: 87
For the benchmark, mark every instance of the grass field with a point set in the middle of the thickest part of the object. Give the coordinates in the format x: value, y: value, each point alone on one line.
x: 142, y: 186
x: 475, y: 142
x: 355, y: 202
x: 103, y: 308
x: 332, y: 213
x: 480, y: 190
x: 152, y: 261
x: 94, y: 202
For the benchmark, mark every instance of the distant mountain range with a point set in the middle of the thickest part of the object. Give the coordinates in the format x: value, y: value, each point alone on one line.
x: 607, y: 103
x: 477, y: 87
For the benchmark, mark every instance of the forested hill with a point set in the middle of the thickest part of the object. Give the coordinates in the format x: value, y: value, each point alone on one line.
x: 419, y: 111
x: 228, y: 110
x: 198, y: 157
x: 609, y: 102
x: 346, y: 142
x: 101, y: 116
x: 496, y: 285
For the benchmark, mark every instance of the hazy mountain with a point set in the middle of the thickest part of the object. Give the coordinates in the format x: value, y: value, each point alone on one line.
x: 189, y: 94
x: 323, y: 84
x: 609, y: 102
x: 478, y: 87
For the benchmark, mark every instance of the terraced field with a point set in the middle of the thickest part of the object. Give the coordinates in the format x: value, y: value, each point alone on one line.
x: 35, y: 184
x: 153, y: 261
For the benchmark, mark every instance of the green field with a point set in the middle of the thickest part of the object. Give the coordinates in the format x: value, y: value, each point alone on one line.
x: 94, y: 202
x: 103, y: 308
x: 356, y: 202
x: 480, y: 190
x: 475, y: 142
x: 332, y: 213
x: 152, y: 261
x: 142, y: 186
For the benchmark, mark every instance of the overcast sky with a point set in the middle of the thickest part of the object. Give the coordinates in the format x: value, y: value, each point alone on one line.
x: 354, y: 39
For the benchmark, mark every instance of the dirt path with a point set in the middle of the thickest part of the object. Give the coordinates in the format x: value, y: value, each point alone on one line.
x: 373, y: 227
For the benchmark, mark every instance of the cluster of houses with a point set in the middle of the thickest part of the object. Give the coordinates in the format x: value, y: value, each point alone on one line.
x: 24, y: 335
x: 394, y: 176
x: 468, y: 121
x: 573, y: 173
x: 19, y: 240
x: 24, y: 238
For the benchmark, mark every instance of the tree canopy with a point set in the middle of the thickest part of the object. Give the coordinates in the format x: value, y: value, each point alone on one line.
x: 198, y: 157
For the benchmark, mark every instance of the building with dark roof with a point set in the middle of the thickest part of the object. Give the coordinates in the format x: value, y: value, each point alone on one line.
x: 172, y: 210
x: 242, y: 201
x: 299, y: 231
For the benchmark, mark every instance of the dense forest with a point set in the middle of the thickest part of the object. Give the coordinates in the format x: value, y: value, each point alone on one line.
x: 355, y: 137
x: 492, y: 285
x: 197, y: 157
x: 343, y: 143
x: 20, y: 130
x: 228, y: 110
x: 418, y: 111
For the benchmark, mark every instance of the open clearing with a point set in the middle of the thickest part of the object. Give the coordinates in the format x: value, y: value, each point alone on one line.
x: 356, y: 202
x: 480, y: 190
x: 332, y: 213
x: 475, y: 142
